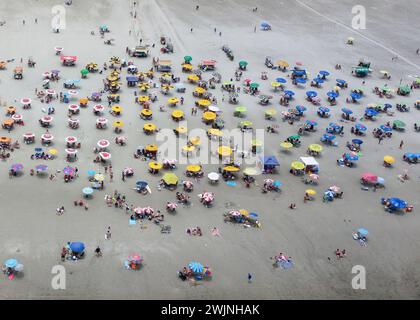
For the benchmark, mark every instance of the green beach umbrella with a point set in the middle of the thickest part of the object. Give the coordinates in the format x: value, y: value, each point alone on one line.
x: 240, y: 109
x: 295, y: 137
x: 254, y: 85
x: 84, y: 71
x: 187, y: 59
x: 245, y: 123
x: 243, y: 63
x: 399, y: 124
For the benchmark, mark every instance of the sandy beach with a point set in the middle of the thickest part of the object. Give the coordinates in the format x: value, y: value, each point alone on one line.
x: 314, y: 32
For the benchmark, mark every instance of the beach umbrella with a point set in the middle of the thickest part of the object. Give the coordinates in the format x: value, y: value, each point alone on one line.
x: 141, y: 184
x: 250, y: 172
x: 399, y: 124
x: 357, y: 141
x: 324, y: 73
x: 214, y: 132
x: 41, y: 167
x: 323, y: 109
x: 193, y: 168
x: 300, y: 108
x: 77, y: 247
x: 99, y: 177
x: 397, y: 203
x: 314, y: 176
x: 208, y: 115
x: 25, y: 101
x: 91, y: 173
x: 173, y: 100
x: 53, y: 151
x: 224, y: 151
x: 328, y: 136
x: 311, y: 122
x: 105, y: 155
x: 214, y: 176
x: 346, y: 111
x: 231, y: 169
x: 332, y: 94
x: 389, y: 159
x: 11, y: 263
x: 135, y: 257
x: 150, y: 126
x: 300, y: 80
x: 311, y: 192
x: 87, y: 191
x: 340, y: 81
x: 363, y: 232
x: 286, y: 145
x: 311, y: 94
x: 68, y: 170
x: 281, y: 80
x: 355, y: 96
x: 155, y: 165
x: 270, y: 112
x: 196, y: 267
x: 360, y: 127
x: 177, y: 114
x: 84, y: 72
x: 318, y: 80
x: 315, y: 147
x: 254, y: 85
x: 187, y: 59
x: 329, y: 194
x: 103, y: 143
x: 297, y: 165
x: 385, y: 128
x: 371, y: 112
x: 283, y: 63
x: 369, y: 177
x: 214, y: 109
x: 243, y: 63
x: 170, y: 178
x: 275, y: 84
x: 118, y: 123
x: 204, y: 102
x: 351, y: 157
x: 240, y: 109
x: 289, y: 93
x: 17, y: 166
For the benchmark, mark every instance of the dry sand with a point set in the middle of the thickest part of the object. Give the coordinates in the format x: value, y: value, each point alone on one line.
x: 31, y: 231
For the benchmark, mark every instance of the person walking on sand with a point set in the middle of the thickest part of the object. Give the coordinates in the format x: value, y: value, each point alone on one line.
x: 249, y: 278
x: 401, y: 144
x: 108, y: 233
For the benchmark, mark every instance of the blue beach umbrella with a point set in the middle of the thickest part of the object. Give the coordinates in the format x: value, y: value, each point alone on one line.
x: 324, y: 73
x: 281, y: 80
x: 346, y: 111
x: 141, y: 184
x: 311, y: 123
x: 41, y: 167
x: 351, y: 157
x: 87, y: 191
x: 357, y: 141
x: 11, y: 263
x: 363, y: 232
x: 328, y: 136
x: 355, y: 96
x: 318, y: 80
x: 289, y: 93
x: 311, y: 94
x: 323, y: 109
x: 332, y: 94
x: 334, y: 125
x: 385, y: 128
x: 341, y: 81
x: 91, y: 173
x: 300, y: 108
x: 360, y: 127
x: 371, y: 112
x: 196, y: 267
x: 300, y: 80
x: 77, y: 247
x: 397, y: 203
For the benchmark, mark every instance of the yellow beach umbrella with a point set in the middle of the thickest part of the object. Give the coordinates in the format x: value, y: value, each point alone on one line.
x: 193, y: 78
x: 231, y: 169
x: 214, y: 132
x: 208, y: 115
x: 146, y: 112
x: 193, y: 168
x: 155, y: 165
x: 286, y: 145
x: 177, y: 114
x: 151, y: 148
x: 118, y: 123
x: 83, y: 100
x: 204, y: 102
x: 311, y: 192
x: 173, y: 100
x: 195, y: 141
x: 99, y: 177
x: 199, y: 90
x: 315, y: 147
x: 282, y: 63
x: 187, y: 66
x: 112, y: 78
x: 116, y: 109
x: 170, y: 178
x: 271, y: 112
x: 256, y: 143
x: 244, y: 212
x: 297, y: 165
x: 181, y: 129
x: 336, y: 88
x: 149, y: 127
x: 224, y: 151
x: 389, y: 159
x: 143, y: 98
x: 53, y: 151
x: 275, y: 84
x: 188, y: 148
x: 250, y: 172
x: 167, y: 86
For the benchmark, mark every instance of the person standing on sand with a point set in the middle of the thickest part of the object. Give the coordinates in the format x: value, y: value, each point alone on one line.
x: 401, y: 144
x: 108, y: 233
x: 249, y: 278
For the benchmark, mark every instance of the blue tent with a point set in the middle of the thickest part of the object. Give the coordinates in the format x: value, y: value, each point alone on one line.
x: 77, y: 247
x: 299, y: 73
x: 360, y: 127
x: 323, y: 109
x: 357, y: 141
x: 397, y: 203
x: 411, y: 155
x: 300, y: 80
x: 265, y: 25
x: 281, y: 80
x: 346, y: 111
x: 311, y: 94
x: 385, y: 128
x: 270, y: 161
